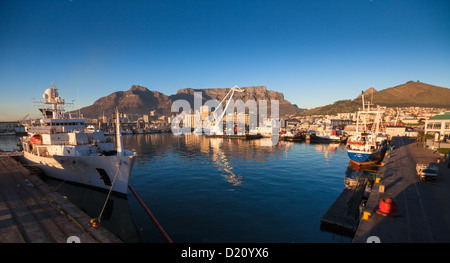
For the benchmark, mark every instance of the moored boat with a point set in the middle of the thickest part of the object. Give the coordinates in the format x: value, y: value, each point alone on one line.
x: 329, y: 136
x: 67, y: 149
x: 367, y: 147
x: 291, y: 136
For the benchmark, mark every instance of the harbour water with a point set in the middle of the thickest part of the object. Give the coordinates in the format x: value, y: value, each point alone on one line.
x: 224, y: 190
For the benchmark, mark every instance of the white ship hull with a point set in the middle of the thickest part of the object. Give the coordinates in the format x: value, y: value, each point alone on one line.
x: 94, y: 171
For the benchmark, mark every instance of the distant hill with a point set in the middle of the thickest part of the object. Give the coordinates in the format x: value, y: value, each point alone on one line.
x: 412, y: 93
x: 332, y: 109
x: 139, y: 100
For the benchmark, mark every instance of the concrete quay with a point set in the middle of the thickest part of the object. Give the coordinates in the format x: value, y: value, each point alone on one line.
x: 423, y: 214
x: 30, y: 212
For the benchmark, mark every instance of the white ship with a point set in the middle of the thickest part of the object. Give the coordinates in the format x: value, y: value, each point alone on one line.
x: 67, y: 149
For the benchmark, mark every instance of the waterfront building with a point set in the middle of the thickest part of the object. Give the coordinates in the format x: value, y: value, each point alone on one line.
x: 11, y: 128
x: 7, y: 127
x: 396, y: 131
x: 439, y: 124
x: 336, y: 123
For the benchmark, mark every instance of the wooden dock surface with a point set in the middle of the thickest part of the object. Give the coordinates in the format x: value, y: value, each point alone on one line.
x: 31, y: 213
x: 423, y: 214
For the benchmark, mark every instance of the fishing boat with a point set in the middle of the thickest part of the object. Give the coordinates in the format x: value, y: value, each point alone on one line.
x: 329, y: 136
x: 127, y: 132
x: 367, y: 147
x: 70, y: 150
x: 291, y: 136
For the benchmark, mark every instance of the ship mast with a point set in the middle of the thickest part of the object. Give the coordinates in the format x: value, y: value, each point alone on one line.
x: 52, y: 98
x: 366, y: 110
x: 119, y: 135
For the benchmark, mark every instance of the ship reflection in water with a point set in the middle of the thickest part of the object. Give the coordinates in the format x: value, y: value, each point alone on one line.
x: 116, y: 217
x: 354, y: 171
x: 344, y: 215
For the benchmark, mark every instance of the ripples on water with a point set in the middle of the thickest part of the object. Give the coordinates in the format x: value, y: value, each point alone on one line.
x: 227, y: 190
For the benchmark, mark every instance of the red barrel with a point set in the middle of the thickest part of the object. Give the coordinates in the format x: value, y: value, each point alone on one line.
x: 387, y: 206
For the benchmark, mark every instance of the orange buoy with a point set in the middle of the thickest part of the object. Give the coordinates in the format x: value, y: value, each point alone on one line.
x: 36, y: 139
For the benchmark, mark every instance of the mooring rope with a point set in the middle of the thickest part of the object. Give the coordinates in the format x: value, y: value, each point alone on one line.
x: 96, y: 221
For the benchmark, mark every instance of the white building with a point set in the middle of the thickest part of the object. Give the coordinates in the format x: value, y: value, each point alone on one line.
x: 396, y: 130
x: 439, y: 124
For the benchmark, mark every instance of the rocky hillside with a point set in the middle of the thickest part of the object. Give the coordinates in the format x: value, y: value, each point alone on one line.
x: 139, y: 100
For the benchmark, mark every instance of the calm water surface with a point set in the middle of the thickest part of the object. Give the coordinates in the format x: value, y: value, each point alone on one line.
x: 226, y: 190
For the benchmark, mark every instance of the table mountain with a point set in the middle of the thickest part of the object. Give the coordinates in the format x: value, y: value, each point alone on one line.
x: 250, y: 93
x: 139, y: 100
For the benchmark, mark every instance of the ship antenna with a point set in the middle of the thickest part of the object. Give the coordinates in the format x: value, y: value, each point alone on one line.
x: 364, y: 111
x: 79, y: 109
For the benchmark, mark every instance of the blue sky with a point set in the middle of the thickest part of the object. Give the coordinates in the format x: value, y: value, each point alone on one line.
x: 315, y: 51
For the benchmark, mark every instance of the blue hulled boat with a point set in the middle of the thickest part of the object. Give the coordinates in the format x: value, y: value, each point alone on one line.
x: 367, y: 147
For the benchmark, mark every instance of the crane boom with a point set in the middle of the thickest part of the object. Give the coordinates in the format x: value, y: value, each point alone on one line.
x: 21, y: 120
x: 218, y: 119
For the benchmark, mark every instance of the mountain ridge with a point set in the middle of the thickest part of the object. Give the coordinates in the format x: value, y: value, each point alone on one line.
x: 411, y: 93
x: 140, y: 100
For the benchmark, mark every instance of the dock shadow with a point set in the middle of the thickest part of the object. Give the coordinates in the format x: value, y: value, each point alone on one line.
x: 393, y: 183
x: 418, y: 218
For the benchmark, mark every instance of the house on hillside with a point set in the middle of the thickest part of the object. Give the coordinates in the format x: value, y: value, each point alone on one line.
x: 336, y: 123
x: 439, y: 124
x: 290, y: 124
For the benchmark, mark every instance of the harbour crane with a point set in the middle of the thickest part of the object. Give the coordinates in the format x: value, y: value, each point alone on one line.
x: 216, y: 120
x: 21, y: 120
